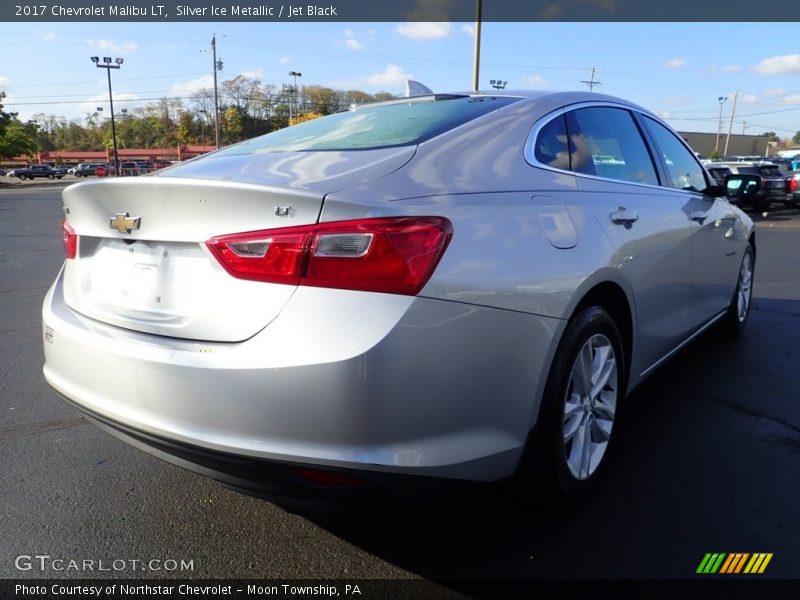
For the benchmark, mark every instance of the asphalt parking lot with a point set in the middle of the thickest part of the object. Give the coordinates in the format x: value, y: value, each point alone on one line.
x: 707, y: 461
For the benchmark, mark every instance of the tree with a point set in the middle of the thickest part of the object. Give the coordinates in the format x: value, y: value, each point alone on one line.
x: 15, y: 138
x: 771, y: 135
x: 796, y: 138
x: 309, y: 116
x: 18, y: 138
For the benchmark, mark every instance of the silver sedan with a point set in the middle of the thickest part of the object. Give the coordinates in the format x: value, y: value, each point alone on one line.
x: 458, y: 287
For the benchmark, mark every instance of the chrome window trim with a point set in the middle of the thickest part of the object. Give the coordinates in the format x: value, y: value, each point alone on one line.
x: 529, y: 153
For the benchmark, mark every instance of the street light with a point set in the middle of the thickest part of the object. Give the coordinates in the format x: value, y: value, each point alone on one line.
x: 722, y: 100
x: 293, y: 90
x: 498, y: 84
x: 107, y: 64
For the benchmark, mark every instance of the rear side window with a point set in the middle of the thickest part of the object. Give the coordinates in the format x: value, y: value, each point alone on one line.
x: 607, y: 142
x: 381, y: 126
x: 771, y: 172
x: 685, y: 173
x: 551, y: 147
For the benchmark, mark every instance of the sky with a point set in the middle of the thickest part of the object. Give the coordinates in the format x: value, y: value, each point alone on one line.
x: 678, y: 70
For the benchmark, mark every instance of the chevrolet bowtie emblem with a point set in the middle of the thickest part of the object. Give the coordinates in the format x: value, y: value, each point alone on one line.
x: 124, y: 223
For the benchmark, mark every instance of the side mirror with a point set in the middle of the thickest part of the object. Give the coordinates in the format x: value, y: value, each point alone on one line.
x: 715, y: 191
x: 742, y: 186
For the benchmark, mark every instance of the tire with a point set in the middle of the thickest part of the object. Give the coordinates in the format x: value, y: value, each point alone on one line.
x: 735, y: 319
x: 23, y: 177
x: 576, y: 420
x: 51, y: 176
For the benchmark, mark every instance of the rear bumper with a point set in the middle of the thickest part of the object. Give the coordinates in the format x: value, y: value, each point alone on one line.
x: 400, y: 386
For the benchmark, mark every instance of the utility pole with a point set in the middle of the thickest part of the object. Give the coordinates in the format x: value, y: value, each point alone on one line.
x: 730, y: 127
x: 744, y: 126
x: 476, y: 54
x: 216, y: 93
x: 592, y: 81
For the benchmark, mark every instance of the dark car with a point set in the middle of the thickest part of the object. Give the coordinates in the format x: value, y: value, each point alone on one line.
x: 718, y: 173
x: 773, y: 187
x: 793, y: 189
x: 38, y: 171
x: 87, y: 170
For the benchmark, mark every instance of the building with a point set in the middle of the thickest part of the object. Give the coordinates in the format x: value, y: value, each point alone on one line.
x: 739, y: 145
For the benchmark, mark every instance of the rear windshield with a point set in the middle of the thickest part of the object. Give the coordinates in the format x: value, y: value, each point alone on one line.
x: 749, y: 170
x: 770, y: 172
x: 380, y: 126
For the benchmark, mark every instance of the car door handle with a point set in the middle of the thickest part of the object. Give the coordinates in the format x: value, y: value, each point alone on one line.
x: 623, y: 216
x: 698, y: 215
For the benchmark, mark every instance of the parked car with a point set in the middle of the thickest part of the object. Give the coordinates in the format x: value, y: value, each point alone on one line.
x: 718, y: 173
x: 61, y: 170
x: 793, y: 189
x: 37, y: 171
x: 774, y: 185
x: 444, y: 288
x: 12, y: 172
x: 86, y: 169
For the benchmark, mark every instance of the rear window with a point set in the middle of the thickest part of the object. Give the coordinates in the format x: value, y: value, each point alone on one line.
x: 380, y: 126
x: 771, y: 172
x: 749, y: 171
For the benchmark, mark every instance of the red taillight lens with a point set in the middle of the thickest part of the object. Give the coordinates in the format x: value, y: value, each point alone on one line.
x: 392, y: 255
x: 792, y: 184
x: 70, y: 240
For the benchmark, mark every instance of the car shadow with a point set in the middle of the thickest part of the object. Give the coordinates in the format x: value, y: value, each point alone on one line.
x: 671, y: 492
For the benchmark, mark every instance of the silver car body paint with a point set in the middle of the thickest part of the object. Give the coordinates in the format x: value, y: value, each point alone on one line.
x: 447, y: 383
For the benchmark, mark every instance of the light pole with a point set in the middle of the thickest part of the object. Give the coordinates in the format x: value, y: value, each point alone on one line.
x: 722, y: 100
x: 108, y: 65
x: 498, y: 84
x: 293, y: 91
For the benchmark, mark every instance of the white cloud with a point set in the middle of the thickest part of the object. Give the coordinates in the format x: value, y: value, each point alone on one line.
x: 779, y: 65
x: 47, y: 36
x: 187, y: 88
x: 534, y: 81
x: 351, y: 41
x: 423, y: 30
x: 354, y: 44
x: 119, y: 47
x: 792, y: 100
x: 391, y: 76
x: 675, y: 63
x: 253, y: 74
x: 775, y: 92
x: 3, y: 79
x: 731, y: 69
x: 664, y: 114
x: 371, y: 32
x: 91, y: 104
x: 749, y: 99
x: 468, y: 28
x: 285, y: 60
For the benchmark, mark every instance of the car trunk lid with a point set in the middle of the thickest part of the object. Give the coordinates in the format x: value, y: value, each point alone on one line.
x: 142, y: 263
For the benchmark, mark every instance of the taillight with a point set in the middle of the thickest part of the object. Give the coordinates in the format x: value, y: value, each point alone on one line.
x: 70, y: 240
x: 392, y: 255
x: 791, y: 184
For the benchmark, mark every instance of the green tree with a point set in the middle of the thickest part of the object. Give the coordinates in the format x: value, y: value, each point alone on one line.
x: 18, y: 138
x: 796, y: 138
x: 771, y: 135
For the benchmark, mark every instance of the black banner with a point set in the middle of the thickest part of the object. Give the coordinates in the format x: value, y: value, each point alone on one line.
x: 398, y: 10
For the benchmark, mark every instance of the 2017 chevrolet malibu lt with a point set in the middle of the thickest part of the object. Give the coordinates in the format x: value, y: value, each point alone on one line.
x: 458, y: 287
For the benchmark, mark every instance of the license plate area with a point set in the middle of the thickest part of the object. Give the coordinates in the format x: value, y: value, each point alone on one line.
x: 142, y: 278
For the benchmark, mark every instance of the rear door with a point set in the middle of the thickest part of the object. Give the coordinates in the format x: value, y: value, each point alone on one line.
x: 644, y: 221
x: 716, y: 245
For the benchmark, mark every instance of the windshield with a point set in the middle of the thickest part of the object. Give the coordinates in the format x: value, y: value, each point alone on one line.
x: 379, y: 126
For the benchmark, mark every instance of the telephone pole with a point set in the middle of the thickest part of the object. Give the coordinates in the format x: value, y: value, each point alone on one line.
x: 476, y: 50
x: 592, y: 81
x: 730, y: 127
x: 216, y: 66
